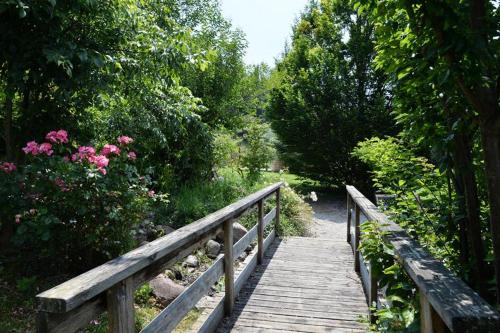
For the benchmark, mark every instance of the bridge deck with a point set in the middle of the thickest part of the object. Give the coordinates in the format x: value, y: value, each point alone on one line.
x: 304, y: 285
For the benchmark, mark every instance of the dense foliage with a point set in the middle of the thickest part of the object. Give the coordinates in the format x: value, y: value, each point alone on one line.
x: 329, y: 97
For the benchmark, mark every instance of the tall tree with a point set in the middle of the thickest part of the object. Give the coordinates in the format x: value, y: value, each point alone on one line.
x: 463, y: 37
x: 329, y: 97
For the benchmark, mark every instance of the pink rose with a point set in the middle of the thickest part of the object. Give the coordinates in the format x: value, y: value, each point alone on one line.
x: 45, y: 148
x: 8, y: 167
x: 62, y: 136
x: 125, y: 140
x: 132, y: 156
x: 86, y: 151
x: 59, y: 136
x: 110, y: 149
x: 100, y: 161
x: 31, y: 148
x: 151, y: 193
x: 18, y: 218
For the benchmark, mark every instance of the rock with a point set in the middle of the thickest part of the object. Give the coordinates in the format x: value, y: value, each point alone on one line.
x: 165, y: 290
x: 191, y: 261
x: 238, y: 232
x: 212, y: 248
x: 243, y: 256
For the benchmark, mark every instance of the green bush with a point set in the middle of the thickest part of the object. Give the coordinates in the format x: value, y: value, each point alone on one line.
x: 199, y: 199
x: 76, y: 208
x: 423, y: 204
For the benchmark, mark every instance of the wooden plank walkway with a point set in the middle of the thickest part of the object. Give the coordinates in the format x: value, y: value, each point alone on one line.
x: 303, y: 285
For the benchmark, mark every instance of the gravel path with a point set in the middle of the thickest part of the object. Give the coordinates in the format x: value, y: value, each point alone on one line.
x: 330, y: 217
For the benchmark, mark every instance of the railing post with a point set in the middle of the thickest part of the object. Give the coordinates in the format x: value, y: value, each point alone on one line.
x: 349, y: 217
x: 373, y: 295
x: 120, y: 303
x: 356, y: 237
x: 430, y: 322
x: 228, y: 267
x: 260, y: 233
x: 277, y: 221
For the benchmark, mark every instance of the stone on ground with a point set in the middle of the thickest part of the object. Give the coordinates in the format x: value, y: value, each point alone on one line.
x: 191, y: 261
x: 164, y: 289
x: 212, y: 249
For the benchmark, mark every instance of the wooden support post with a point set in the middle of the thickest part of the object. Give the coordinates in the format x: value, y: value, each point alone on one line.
x: 349, y: 217
x: 277, y: 221
x: 260, y: 233
x: 373, y: 295
x: 356, y: 237
x: 228, y: 267
x: 120, y: 303
x: 430, y: 322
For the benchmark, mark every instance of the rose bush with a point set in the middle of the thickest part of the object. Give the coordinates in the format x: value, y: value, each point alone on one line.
x: 77, y: 205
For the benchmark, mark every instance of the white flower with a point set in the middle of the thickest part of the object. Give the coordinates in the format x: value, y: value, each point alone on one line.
x: 313, y: 196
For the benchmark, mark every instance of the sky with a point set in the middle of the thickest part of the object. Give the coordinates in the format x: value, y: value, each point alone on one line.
x: 267, y: 25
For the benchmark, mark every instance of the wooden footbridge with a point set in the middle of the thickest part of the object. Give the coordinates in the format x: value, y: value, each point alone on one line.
x: 289, y: 285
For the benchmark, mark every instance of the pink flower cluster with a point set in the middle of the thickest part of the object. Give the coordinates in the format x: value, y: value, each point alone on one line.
x: 85, y: 153
x: 60, y: 136
x: 124, y: 140
x: 8, y: 167
x: 34, y: 148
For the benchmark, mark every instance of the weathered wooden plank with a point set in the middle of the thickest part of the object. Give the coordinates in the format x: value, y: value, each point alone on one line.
x: 84, y: 287
x: 71, y: 321
x: 216, y: 316
x: 461, y: 308
x: 260, y: 233
x: 301, y: 320
x: 269, y: 217
x: 278, y: 208
x: 281, y: 326
x: 120, y: 306
x: 339, y: 307
x: 244, y: 241
x: 168, y: 319
x: 228, y: 268
x: 333, y: 301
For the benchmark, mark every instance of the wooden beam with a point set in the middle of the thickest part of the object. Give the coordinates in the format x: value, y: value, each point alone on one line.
x: 228, y: 267
x: 349, y: 217
x: 278, y: 207
x: 269, y: 217
x: 120, y: 304
x: 357, y: 234
x: 75, y: 292
x: 459, y: 307
x: 260, y: 233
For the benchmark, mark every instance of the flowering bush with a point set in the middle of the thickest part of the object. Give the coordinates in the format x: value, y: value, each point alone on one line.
x: 78, y: 205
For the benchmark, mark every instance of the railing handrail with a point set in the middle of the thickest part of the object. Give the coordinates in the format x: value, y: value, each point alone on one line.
x: 73, y: 293
x: 458, y: 306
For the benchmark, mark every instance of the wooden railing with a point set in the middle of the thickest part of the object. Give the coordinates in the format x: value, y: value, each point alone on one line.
x: 110, y: 287
x: 446, y: 302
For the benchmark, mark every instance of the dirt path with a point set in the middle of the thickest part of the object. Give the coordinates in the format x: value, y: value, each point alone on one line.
x: 330, y: 216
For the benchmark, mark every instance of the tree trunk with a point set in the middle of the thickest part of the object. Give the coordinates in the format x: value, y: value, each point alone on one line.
x: 7, y: 126
x: 462, y: 223
x: 490, y: 133
x: 465, y: 171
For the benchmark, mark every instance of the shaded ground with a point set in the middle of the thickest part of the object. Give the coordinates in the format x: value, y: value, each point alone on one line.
x: 330, y: 217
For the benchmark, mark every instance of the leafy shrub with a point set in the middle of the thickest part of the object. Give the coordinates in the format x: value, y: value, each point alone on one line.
x: 423, y: 204
x: 258, y: 150
x: 401, y: 313
x: 77, y: 207
x: 226, y: 150
x: 197, y: 200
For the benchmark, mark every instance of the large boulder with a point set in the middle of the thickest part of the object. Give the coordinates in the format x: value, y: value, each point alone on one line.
x: 238, y: 232
x: 212, y: 249
x: 165, y: 290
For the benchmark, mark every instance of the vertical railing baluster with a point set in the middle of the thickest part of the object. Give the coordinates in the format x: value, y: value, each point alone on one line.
x: 260, y: 232
x: 120, y: 304
x: 228, y: 267
x: 277, y: 221
x: 373, y: 296
x: 430, y: 322
x: 356, y: 237
x: 349, y: 217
